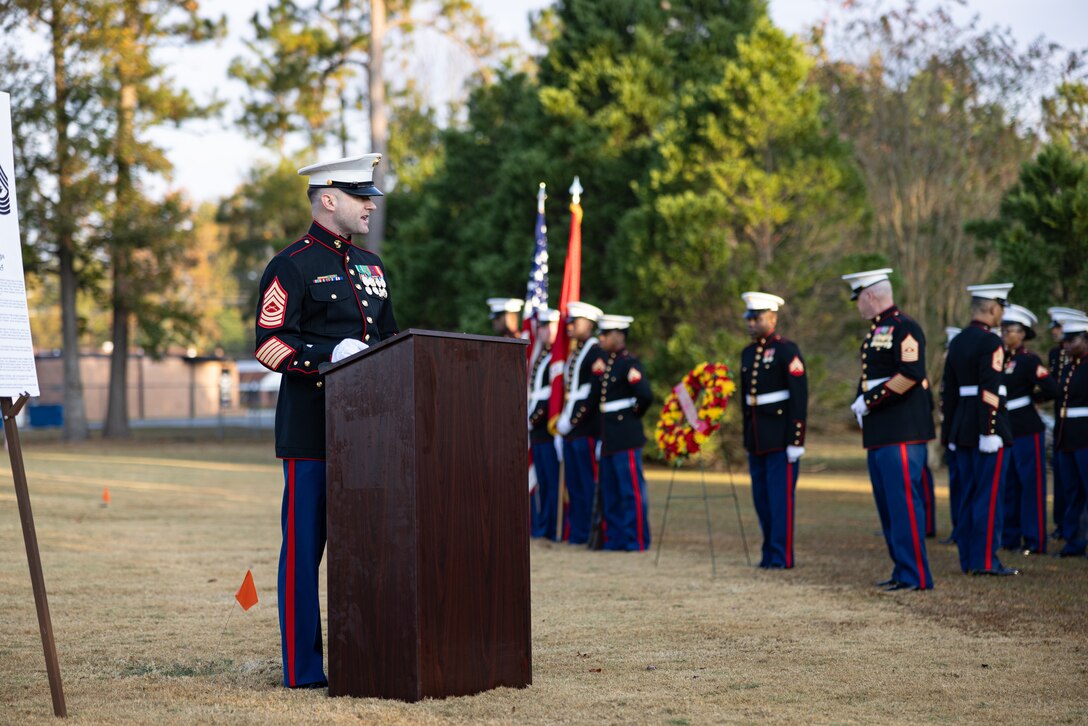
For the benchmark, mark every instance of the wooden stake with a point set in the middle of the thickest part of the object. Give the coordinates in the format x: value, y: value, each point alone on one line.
x: 37, y: 580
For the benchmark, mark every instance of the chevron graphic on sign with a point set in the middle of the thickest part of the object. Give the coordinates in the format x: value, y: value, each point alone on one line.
x: 5, y: 193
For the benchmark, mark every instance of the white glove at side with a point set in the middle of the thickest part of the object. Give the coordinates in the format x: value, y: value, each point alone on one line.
x: 559, y: 448
x: 858, y: 406
x: 989, y: 444
x: 793, y: 453
x: 564, y: 427
x: 951, y: 447
x: 347, y: 347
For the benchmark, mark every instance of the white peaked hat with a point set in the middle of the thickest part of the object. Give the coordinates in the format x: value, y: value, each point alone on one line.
x: 951, y: 332
x: 1020, y: 314
x: 860, y: 280
x: 547, y: 315
x: 353, y: 174
x: 500, y: 305
x: 1057, y: 315
x: 1075, y: 324
x: 757, y: 302
x: 614, y: 322
x: 579, y: 309
x: 998, y: 291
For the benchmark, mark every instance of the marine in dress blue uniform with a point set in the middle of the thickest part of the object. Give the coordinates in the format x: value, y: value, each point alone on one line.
x: 625, y: 396
x: 1071, y: 436
x: 579, y: 420
x: 1027, y: 381
x: 895, y: 411
x: 774, y: 407
x: 545, y: 452
x: 322, y: 298
x: 976, y: 426
x: 1058, y: 362
x: 505, y: 316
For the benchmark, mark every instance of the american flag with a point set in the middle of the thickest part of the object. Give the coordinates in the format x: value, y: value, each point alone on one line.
x: 536, y: 293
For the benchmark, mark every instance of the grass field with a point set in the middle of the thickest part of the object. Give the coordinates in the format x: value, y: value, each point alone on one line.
x: 141, y: 594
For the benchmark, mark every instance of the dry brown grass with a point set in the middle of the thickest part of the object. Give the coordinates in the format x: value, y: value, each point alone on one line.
x: 141, y: 591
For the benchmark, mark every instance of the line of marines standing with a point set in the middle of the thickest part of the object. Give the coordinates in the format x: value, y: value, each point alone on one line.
x: 992, y: 434
x: 598, y: 437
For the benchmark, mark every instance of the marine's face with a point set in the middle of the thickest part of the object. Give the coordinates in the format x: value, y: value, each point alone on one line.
x: 762, y: 324
x: 611, y: 341
x: 1078, y: 345
x: 1013, y: 333
x: 351, y: 214
x: 581, y: 328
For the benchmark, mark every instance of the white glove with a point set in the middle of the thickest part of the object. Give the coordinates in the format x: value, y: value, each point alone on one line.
x: 347, y: 347
x: 951, y: 447
x: 597, y: 451
x: 564, y: 427
x: 559, y: 448
x: 858, y: 407
x: 989, y: 444
x: 793, y: 453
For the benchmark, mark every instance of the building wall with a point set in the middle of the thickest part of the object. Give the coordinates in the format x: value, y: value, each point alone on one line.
x: 174, y: 387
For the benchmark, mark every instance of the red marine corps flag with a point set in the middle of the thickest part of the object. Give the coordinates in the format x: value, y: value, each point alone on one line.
x: 572, y: 290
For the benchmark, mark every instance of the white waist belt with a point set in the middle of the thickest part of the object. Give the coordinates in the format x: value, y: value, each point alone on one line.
x: 772, y: 397
x: 872, y: 383
x: 541, y: 394
x: 620, y: 405
x: 973, y: 391
x: 1018, y: 403
x: 1078, y: 412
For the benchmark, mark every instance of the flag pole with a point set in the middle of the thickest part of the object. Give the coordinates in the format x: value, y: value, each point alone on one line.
x: 30, y: 538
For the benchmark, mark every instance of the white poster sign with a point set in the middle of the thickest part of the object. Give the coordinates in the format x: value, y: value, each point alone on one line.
x: 17, y: 371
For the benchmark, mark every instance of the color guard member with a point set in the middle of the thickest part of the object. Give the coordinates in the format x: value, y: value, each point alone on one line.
x: 579, y: 422
x: 505, y: 316
x: 545, y: 454
x: 624, y: 399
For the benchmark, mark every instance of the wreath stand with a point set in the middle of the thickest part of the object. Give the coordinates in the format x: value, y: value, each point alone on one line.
x: 706, y: 497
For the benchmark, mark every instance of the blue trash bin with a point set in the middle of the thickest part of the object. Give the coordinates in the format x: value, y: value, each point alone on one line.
x: 44, y: 416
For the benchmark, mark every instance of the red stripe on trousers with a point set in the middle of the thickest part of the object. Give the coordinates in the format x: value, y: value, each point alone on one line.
x: 1040, y: 508
x: 638, y: 499
x: 289, y: 608
x: 928, y: 501
x: 993, y: 507
x: 789, y: 514
x: 913, y: 522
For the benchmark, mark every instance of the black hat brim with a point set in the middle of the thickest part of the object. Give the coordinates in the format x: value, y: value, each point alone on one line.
x: 356, y: 189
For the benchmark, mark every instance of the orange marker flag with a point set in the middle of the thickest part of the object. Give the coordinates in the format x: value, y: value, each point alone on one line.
x: 247, y: 593
x: 105, y: 496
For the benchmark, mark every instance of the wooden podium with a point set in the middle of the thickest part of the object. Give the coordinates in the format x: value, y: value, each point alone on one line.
x: 428, y: 518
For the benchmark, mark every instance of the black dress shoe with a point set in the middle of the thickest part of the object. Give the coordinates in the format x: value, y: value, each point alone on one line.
x: 315, y: 684
x: 900, y: 586
x: 886, y: 583
x: 998, y: 572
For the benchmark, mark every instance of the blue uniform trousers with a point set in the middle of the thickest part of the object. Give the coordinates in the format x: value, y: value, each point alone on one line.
x: 546, y: 502
x: 929, y: 498
x: 626, y: 506
x: 1061, y: 495
x: 774, y: 485
x: 1025, y: 495
x: 580, y: 470
x: 978, y: 533
x: 896, y: 475
x: 955, y: 489
x: 302, y: 518
x: 1075, y: 470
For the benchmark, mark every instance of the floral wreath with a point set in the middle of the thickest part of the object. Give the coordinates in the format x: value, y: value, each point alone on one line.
x: 686, y: 421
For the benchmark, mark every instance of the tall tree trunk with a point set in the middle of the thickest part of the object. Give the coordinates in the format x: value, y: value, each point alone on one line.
x: 117, y: 407
x: 379, y: 119
x: 75, y: 415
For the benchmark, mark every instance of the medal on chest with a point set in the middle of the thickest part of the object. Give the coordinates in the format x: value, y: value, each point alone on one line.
x: 373, y: 280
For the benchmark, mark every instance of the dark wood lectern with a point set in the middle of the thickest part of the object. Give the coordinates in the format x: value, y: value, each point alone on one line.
x: 428, y: 518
